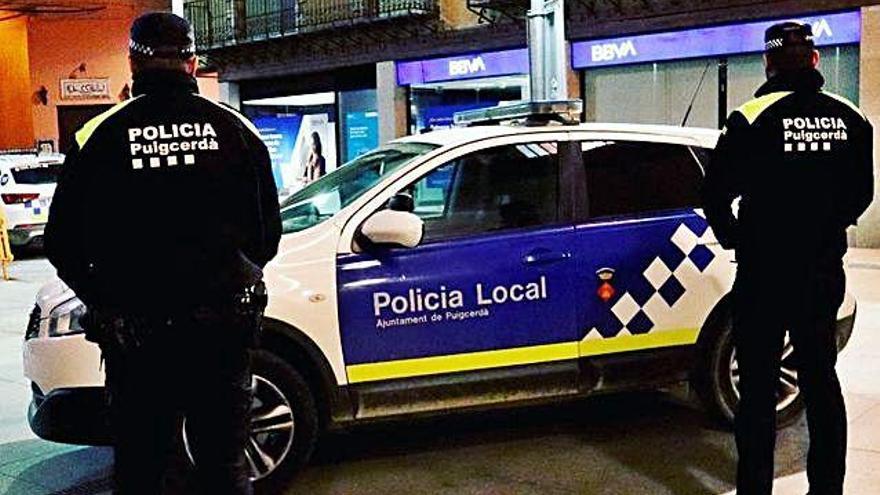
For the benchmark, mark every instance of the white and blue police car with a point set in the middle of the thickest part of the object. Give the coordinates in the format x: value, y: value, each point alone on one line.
x: 461, y: 269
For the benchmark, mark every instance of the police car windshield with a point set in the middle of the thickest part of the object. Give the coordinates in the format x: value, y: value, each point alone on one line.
x: 323, y: 198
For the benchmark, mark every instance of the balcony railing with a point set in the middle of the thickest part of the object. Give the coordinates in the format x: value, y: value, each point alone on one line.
x: 219, y: 23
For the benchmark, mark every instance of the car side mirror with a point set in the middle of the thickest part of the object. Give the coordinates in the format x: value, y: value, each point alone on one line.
x: 392, y: 228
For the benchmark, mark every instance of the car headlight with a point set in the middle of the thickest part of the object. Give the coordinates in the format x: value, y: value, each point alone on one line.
x: 33, y: 326
x: 65, y: 318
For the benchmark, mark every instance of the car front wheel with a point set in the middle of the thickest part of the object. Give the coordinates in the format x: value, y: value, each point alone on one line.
x: 284, y: 422
x: 716, y: 379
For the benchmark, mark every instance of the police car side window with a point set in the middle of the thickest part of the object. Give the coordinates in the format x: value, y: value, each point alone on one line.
x: 496, y: 189
x: 632, y: 178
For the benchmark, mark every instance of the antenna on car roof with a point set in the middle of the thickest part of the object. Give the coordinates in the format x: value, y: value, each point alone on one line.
x: 690, y: 108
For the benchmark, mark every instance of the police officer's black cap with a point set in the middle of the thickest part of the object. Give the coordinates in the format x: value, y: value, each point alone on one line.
x: 162, y: 35
x: 789, y: 33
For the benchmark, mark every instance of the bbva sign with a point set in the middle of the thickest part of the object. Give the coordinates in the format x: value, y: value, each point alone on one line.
x: 605, y: 52
x: 466, y: 67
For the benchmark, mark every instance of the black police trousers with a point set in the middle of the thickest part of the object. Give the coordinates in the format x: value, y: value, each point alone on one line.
x: 193, y: 370
x: 802, y: 298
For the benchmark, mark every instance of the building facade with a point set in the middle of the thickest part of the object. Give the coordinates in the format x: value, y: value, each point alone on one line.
x: 62, y: 66
x: 355, y: 73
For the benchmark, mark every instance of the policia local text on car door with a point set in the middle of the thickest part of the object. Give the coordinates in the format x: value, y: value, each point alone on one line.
x: 493, y: 273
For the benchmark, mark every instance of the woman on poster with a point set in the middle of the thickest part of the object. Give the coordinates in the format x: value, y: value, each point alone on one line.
x: 316, y: 166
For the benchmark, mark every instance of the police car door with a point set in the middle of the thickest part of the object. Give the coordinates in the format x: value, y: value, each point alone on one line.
x: 489, y: 286
x: 647, y: 252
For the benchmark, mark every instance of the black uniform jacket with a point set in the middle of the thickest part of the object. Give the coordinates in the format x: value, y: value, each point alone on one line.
x: 801, y: 159
x: 167, y: 200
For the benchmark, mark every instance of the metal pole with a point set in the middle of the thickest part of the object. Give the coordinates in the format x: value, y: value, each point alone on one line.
x: 560, y: 56
x: 534, y: 34
x: 546, y: 36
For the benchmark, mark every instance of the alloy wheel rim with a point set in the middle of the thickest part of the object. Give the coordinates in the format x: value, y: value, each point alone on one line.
x: 272, y: 428
x: 787, y: 388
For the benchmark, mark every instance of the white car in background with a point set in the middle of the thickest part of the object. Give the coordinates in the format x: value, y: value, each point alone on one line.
x: 27, y: 184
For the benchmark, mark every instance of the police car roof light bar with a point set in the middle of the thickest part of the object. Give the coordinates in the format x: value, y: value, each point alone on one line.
x: 528, y: 112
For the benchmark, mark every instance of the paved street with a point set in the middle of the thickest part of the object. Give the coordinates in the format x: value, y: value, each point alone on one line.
x: 16, y: 301
x: 640, y: 443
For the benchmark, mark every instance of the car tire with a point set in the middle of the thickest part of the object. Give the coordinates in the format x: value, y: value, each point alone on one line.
x: 714, y: 378
x: 284, y: 425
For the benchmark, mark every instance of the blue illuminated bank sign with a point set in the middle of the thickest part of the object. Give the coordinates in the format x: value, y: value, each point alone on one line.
x: 460, y: 67
x: 829, y: 29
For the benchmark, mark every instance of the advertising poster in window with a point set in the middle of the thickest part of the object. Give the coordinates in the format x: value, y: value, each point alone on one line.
x: 302, y: 147
x: 362, y: 133
x: 279, y: 133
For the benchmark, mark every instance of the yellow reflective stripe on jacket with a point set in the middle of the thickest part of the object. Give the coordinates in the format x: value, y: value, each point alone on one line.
x: 83, y: 135
x: 753, y: 109
x: 434, y: 365
x: 846, y: 102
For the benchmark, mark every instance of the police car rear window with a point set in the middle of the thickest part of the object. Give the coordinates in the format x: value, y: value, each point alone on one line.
x: 631, y: 178
x: 38, y: 173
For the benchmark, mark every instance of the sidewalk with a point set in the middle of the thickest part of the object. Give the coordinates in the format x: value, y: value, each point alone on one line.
x: 16, y: 298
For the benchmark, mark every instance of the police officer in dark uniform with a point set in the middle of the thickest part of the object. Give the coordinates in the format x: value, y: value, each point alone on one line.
x: 801, y: 161
x: 164, y: 216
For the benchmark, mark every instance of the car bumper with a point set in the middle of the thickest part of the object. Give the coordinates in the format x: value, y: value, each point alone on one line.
x: 22, y: 236
x: 70, y: 415
x: 68, y: 403
x: 63, y: 362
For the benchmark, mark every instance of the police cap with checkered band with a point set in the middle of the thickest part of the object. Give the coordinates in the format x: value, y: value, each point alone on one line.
x: 789, y: 33
x: 162, y: 35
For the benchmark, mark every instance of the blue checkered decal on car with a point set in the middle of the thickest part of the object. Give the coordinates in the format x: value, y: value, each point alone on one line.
x: 35, y: 209
x: 663, y: 281
x: 39, y: 206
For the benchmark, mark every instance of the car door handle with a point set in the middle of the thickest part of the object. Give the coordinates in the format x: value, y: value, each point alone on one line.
x: 545, y: 256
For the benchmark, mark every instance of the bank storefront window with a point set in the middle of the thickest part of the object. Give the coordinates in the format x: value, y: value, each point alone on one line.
x: 433, y: 106
x: 655, y: 93
x: 651, y: 78
x: 300, y: 133
x: 839, y: 65
x: 440, y: 87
